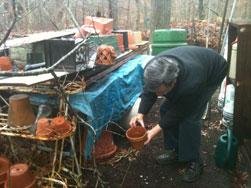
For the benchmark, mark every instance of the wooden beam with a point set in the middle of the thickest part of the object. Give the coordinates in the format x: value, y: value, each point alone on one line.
x: 36, y: 37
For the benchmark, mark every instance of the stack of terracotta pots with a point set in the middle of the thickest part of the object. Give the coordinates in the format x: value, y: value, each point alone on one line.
x: 104, y: 147
x: 56, y: 127
x: 4, y: 172
x: 21, y: 176
x: 15, y: 176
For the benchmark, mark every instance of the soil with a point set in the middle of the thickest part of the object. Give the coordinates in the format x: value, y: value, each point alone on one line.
x: 129, y: 168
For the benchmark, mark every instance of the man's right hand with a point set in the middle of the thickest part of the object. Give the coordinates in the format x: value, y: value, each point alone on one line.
x: 138, y: 119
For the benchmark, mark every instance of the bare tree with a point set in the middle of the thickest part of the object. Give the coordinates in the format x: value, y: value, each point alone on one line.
x: 138, y: 15
x: 201, y: 10
x: 161, y: 14
x: 12, y: 23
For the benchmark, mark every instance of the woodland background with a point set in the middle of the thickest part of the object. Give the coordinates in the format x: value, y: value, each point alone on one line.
x: 144, y: 15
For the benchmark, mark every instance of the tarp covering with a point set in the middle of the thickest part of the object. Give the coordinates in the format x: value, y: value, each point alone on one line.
x: 107, y: 99
x: 110, y: 97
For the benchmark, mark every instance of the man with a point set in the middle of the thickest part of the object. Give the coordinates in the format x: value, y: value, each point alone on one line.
x: 187, y: 77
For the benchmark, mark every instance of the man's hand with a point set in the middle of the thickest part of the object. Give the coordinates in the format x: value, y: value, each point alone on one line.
x: 138, y: 119
x: 149, y: 137
x: 152, y: 133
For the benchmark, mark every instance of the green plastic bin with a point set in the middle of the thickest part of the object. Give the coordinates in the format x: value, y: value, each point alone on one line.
x: 104, y: 39
x: 169, y: 35
x: 157, y: 48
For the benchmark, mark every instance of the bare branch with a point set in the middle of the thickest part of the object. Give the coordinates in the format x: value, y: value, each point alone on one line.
x: 12, y: 24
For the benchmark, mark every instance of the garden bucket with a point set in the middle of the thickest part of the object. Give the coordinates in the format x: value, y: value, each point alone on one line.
x: 226, y: 151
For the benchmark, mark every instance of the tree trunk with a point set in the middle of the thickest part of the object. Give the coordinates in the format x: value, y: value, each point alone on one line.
x: 128, y: 14
x: 110, y: 9
x: 138, y: 15
x: 161, y: 14
x: 115, y: 14
x: 146, y: 19
x: 201, y: 10
x: 249, y: 10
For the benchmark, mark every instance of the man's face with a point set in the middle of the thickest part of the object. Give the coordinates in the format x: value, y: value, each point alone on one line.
x: 164, y: 89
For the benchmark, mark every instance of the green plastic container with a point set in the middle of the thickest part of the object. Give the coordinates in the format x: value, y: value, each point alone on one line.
x: 169, y: 35
x: 160, y: 47
x: 104, y: 39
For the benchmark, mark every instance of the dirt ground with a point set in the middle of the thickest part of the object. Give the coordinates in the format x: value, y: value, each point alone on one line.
x: 130, y: 169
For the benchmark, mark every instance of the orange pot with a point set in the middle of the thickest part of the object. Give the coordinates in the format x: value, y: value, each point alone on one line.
x: 104, y: 147
x: 21, y: 177
x: 44, y: 129
x: 137, y: 136
x: 5, y: 63
x: 20, y: 111
x: 60, y: 125
x: 4, y: 171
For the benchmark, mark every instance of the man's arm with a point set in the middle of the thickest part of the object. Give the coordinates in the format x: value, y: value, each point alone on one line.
x: 147, y: 101
x: 152, y: 133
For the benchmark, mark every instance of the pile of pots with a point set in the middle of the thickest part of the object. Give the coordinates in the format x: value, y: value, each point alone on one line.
x: 15, y: 176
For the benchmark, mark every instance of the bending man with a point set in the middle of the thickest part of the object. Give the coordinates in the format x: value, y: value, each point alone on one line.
x: 187, y: 77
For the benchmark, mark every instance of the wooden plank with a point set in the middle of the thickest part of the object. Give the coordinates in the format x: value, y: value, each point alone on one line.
x: 29, y: 80
x: 36, y: 37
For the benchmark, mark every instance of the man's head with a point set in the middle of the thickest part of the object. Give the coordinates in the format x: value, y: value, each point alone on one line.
x: 160, y: 75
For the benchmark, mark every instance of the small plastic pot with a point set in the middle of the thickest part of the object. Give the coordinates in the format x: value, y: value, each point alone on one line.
x: 137, y: 136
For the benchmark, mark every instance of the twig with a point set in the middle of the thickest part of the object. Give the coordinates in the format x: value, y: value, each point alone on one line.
x: 74, y: 20
x: 126, y: 173
x: 55, y: 181
x: 4, y: 100
x: 12, y: 24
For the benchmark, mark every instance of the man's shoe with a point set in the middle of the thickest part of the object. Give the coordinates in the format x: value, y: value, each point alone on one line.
x: 193, y: 172
x: 168, y: 157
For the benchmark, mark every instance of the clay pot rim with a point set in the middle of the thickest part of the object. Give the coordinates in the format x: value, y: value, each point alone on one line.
x: 32, y: 183
x: 23, y: 166
x: 135, y: 139
x: 106, y: 155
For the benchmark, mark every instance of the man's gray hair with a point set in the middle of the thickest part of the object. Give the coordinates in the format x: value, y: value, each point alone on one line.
x: 162, y: 70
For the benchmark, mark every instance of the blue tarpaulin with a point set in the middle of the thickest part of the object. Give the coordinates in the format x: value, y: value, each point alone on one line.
x: 112, y: 95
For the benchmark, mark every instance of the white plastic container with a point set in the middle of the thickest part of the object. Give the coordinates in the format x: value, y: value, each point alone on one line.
x: 228, y: 110
x: 222, y: 95
x: 232, y: 69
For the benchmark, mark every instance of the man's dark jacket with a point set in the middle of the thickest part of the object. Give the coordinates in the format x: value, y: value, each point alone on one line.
x: 201, y: 70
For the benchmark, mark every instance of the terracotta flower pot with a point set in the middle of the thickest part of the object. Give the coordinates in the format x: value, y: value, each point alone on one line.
x: 137, y: 136
x: 4, y: 171
x: 5, y: 63
x: 20, y: 111
x: 60, y: 125
x: 21, y: 177
x: 44, y: 129
x: 104, y: 147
